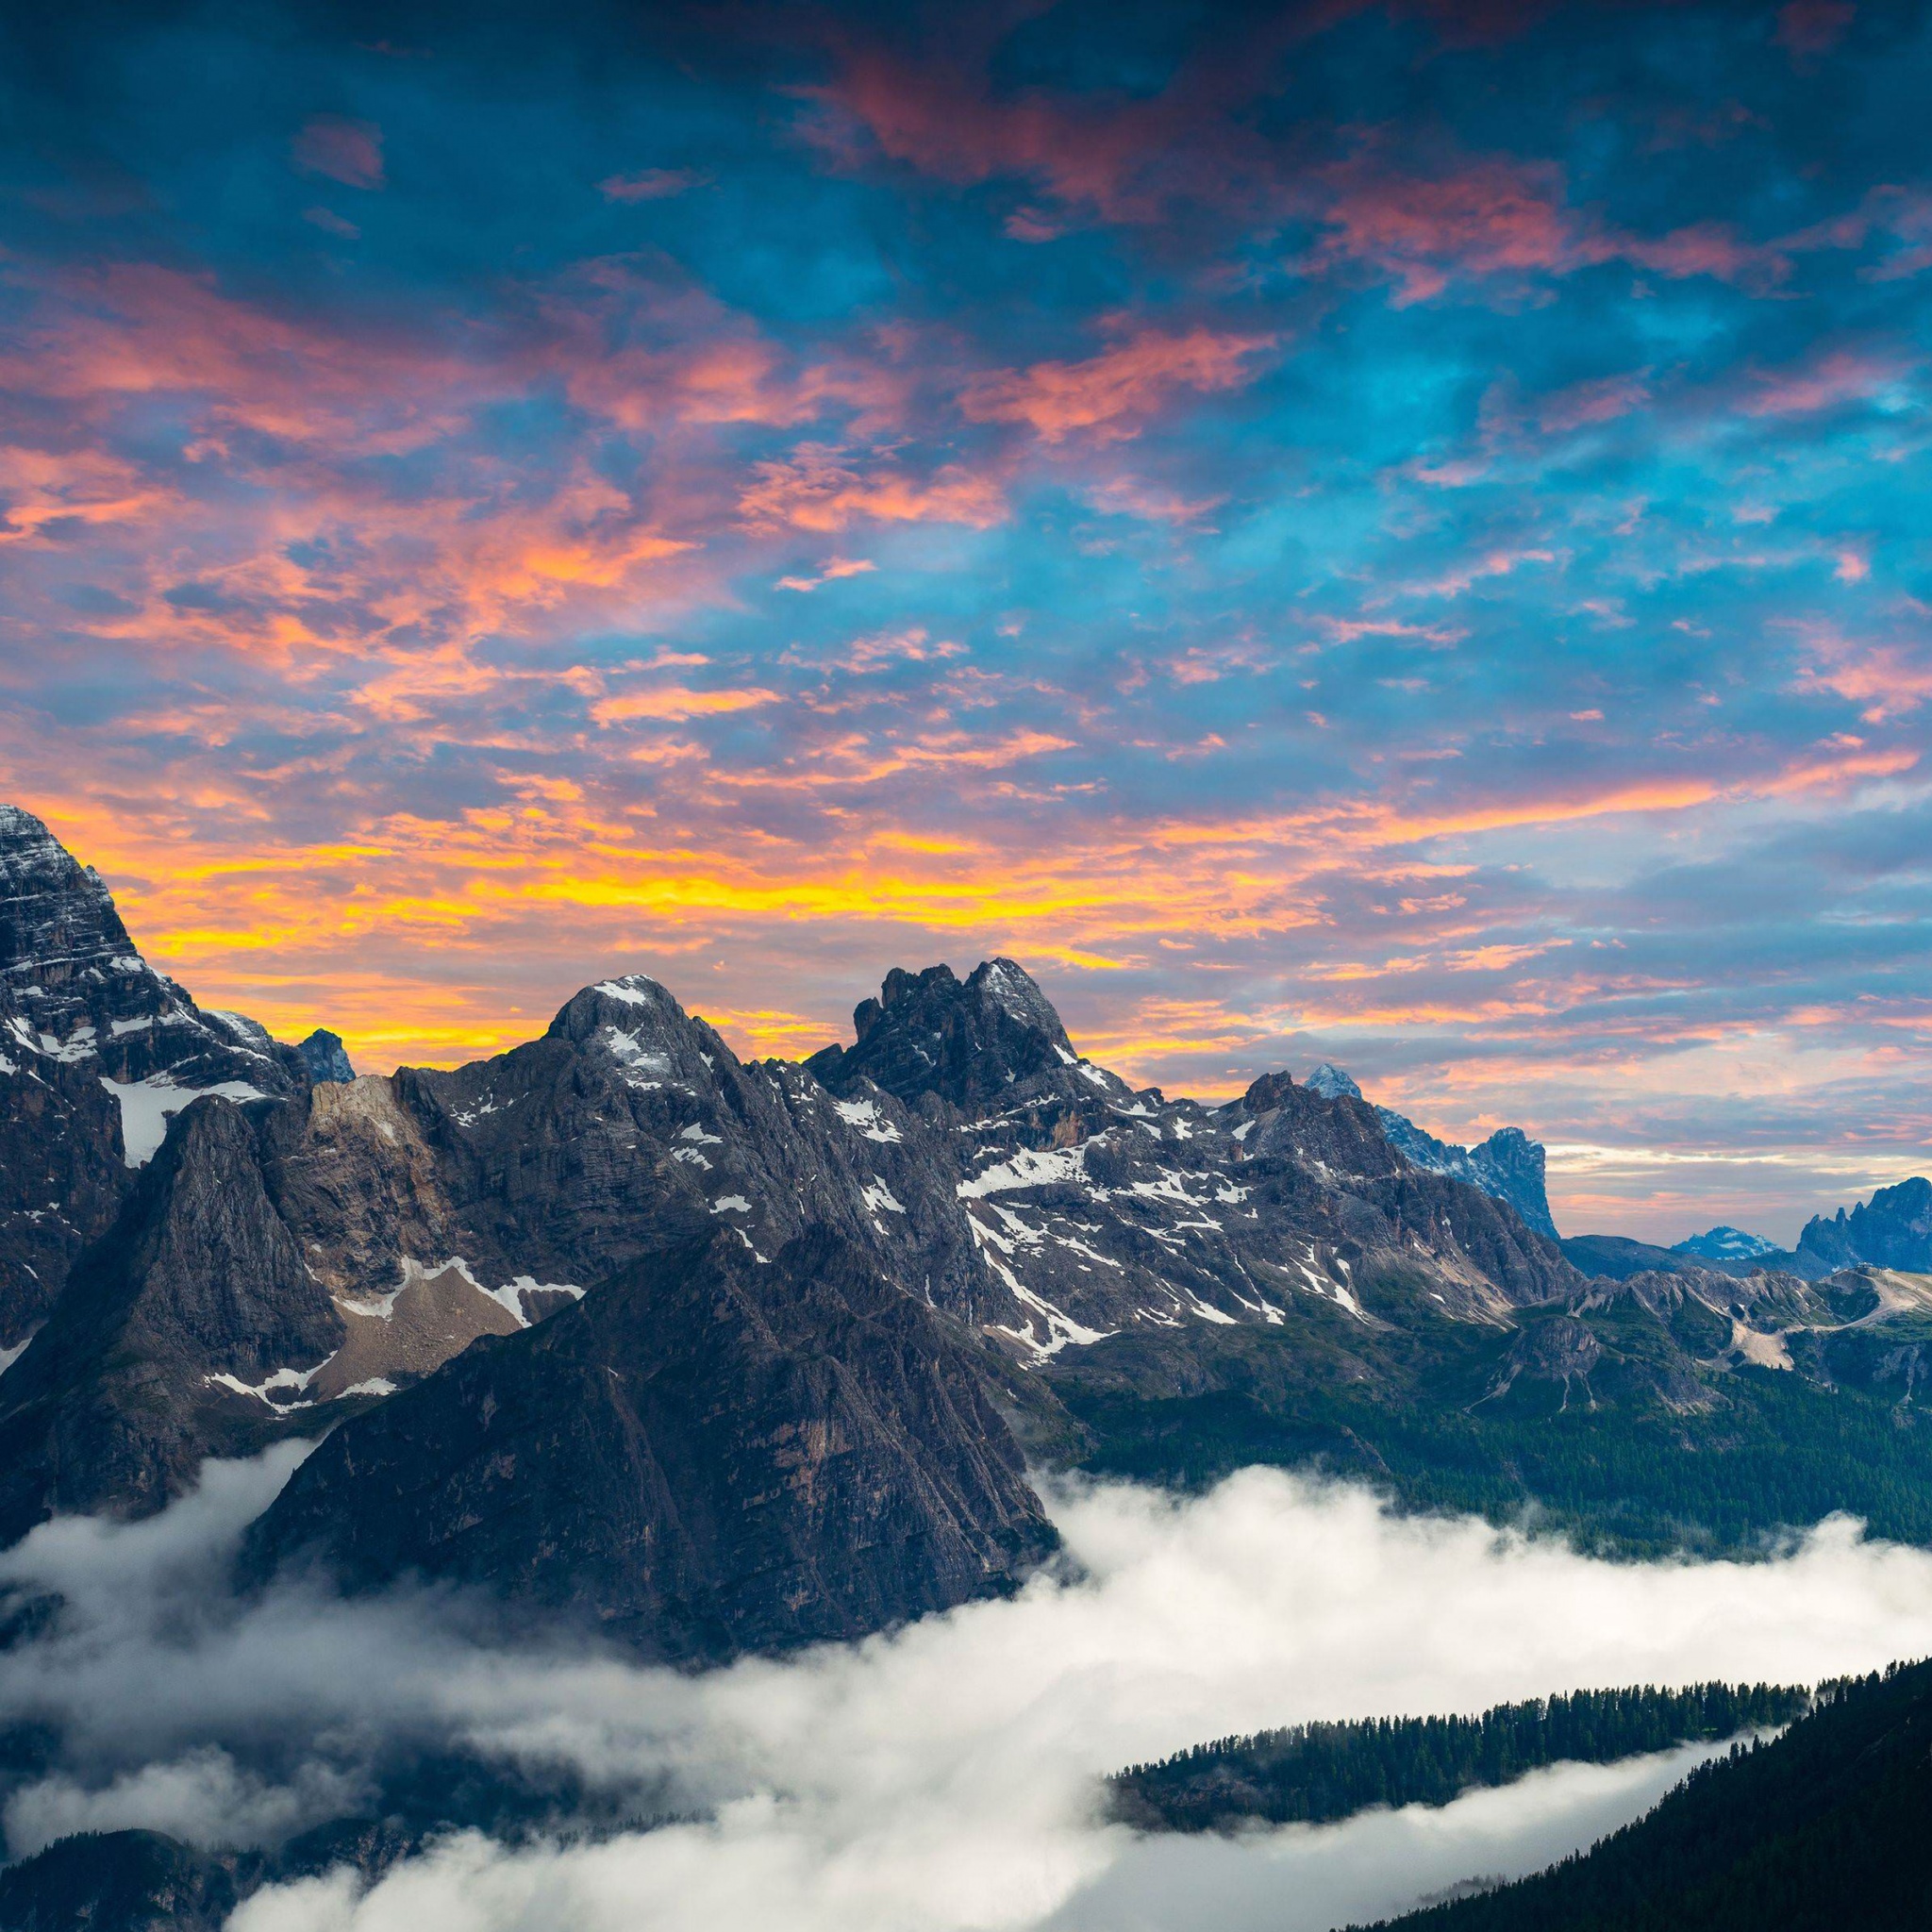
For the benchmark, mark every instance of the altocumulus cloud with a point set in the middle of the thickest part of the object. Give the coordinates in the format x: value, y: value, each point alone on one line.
x: 941, y: 1777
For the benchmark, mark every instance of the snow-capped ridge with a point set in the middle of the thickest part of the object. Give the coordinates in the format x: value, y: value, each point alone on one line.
x: 1725, y: 1243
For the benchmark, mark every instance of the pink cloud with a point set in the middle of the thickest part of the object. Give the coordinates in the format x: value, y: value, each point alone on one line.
x: 826, y: 489
x: 1704, y: 248
x: 651, y: 184
x: 1841, y: 376
x: 949, y: 124
x: 1884, y: 680
x: 1487, y: 218
x: 1136, y: 496
x: 345, y: 151
x: 830, y: 573
x: 913, y: 645
x: 331, y: 223
x: 1109, y: 396
x: 1584, y: 404
x: 1112, y: 157
x: 1813, y: 27
x: 1496, y: 217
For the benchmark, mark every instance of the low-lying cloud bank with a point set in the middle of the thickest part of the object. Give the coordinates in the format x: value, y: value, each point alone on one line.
x: 943, y: 1777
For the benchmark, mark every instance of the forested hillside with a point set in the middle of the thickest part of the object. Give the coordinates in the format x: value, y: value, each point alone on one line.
x: 1611, y: 1423
x: 1322, y: 1772
x: 1823, y: 1829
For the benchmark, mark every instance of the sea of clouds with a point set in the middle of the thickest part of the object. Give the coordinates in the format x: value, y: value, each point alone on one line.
x: 941, y: 1778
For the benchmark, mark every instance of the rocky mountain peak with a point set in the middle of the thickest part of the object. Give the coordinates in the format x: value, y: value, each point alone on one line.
x: 325, y: 1057
x: 66, y: 962
x: 75, y: 989
x: 1270, y: 1091
x: 1331, y: 1083
x: 98, y: 1052
x: 639, y: 1024
x: 900, y: 986
x: 965, y: 1040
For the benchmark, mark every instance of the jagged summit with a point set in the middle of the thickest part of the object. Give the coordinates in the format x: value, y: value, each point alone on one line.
x: 76, y: 990
x: 626, y: 996
x: 325, y: 1057
x: 98, y: 1052
x: 638, y: 1023
x: 966, y: 1041
x: 1891, y: 1230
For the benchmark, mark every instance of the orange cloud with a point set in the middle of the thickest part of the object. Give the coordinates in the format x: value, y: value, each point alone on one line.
x: 676, y: 702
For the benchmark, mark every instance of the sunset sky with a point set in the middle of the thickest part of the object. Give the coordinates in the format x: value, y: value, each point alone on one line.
x: 1386, y: 532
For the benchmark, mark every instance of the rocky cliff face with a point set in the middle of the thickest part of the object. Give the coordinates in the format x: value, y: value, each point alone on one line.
x: 712, y: 1454
x: 198, y: 1293
x: 276, y: 1265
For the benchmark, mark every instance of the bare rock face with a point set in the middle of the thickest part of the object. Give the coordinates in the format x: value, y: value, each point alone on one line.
x: 198, y: 1293
x: 276, y: 1265
x: 325, y: 1056
x: 708, y: 1456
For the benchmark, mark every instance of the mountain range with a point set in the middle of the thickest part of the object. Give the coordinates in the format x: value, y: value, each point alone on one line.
x: 1892, y: 1230
x: 714, y: 1357
x: 213, y: 1240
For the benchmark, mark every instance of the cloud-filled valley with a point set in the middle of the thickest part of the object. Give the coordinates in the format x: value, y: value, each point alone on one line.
x: 945, y: 1775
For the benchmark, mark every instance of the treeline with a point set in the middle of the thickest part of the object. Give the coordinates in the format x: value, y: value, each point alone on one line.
x: 1320, y: 1773
x: 1820, y: 1830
